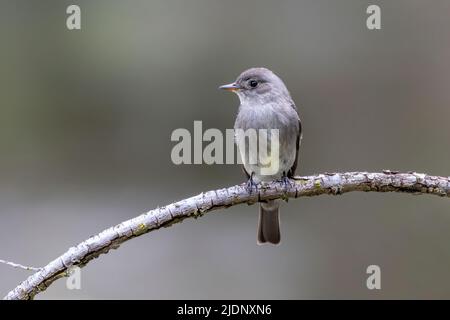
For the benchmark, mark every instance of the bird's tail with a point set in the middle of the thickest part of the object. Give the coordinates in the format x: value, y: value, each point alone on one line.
x: 269, y: 223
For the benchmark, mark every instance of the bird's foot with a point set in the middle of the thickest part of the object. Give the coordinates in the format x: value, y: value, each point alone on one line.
x: 287, y: 182
x: 251, y: 184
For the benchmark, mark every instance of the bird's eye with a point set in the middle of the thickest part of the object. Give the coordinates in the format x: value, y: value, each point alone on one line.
x: 253, y: 83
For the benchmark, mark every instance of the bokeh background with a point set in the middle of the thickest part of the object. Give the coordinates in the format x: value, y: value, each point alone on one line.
x: 86, y: 118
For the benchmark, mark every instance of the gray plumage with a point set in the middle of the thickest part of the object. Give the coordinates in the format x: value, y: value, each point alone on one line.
x: 265, y: 103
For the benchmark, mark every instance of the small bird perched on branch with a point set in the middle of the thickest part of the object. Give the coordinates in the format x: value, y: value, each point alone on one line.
x: 265, y: 105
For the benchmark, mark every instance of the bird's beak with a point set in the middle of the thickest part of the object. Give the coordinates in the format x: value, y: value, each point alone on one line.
x: 230, y: 87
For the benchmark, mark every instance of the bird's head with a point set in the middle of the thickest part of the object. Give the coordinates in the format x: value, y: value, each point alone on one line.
x: 257, y: 85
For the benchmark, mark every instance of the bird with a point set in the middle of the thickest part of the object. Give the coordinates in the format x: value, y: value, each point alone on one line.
x: 265, y: 103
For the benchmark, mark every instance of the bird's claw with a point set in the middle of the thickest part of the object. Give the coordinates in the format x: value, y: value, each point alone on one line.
x: 251, y: 184
x: 287, y: 182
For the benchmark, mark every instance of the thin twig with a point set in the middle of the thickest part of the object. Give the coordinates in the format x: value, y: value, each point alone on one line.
x: 19, y: 266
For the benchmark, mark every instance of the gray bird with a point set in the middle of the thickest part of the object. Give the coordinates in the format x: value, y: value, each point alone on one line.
x: 266, y: 104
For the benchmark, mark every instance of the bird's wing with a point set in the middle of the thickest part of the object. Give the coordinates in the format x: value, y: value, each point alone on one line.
x: 297, y: 145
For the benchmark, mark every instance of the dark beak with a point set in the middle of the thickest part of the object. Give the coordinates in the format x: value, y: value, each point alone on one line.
x: 230, y: 87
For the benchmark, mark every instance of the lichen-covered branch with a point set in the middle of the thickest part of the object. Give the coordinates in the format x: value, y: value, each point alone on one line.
x: 328, y: 183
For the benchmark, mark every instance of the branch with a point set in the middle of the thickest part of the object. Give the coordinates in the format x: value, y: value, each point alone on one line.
x: 19, y: 266
x: 194, y: 207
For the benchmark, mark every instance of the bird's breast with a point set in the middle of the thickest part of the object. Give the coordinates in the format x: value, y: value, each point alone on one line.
x: 273, y: 152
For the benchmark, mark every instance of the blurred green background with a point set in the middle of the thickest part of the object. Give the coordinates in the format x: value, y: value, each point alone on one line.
x: 86, y: 118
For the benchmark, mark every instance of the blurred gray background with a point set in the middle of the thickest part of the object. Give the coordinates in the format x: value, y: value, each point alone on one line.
x: 86, y: 118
